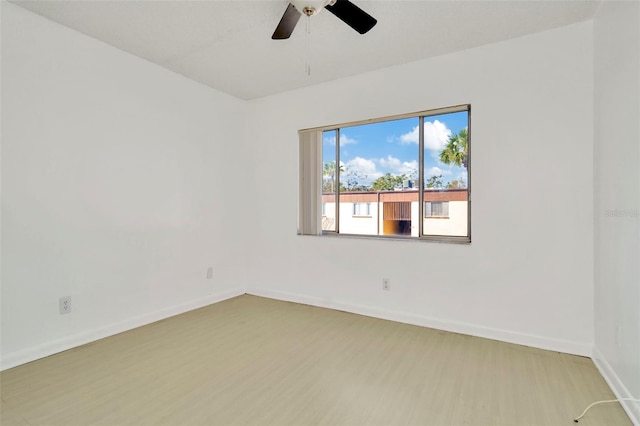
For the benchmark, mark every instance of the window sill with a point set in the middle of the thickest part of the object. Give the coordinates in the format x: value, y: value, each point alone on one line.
x: 429, y: 238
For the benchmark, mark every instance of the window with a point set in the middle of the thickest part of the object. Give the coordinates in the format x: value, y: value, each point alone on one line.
x: 361, y: 209
x: 399, y: 172
x: 439, y: 209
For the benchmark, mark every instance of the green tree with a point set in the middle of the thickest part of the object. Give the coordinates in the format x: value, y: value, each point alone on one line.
x: 434, y: 182
x: 456, y: 151
x: 329, y: 172
x: 388, y: 182
x: 456, y: 184
x: 350, y: 180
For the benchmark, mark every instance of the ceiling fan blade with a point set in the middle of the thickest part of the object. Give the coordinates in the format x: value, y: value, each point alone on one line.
x: 287, y: 23
x: 352, y: 15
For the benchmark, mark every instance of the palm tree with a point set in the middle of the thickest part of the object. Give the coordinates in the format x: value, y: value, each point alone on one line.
x: 329, y: 170
x: 456, y: 151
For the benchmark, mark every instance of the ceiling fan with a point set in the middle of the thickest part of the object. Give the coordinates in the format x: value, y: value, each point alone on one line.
x: 348, y: 12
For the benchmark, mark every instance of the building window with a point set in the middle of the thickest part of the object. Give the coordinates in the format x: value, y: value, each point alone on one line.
x: 409, y: 169
x: 437, y: 209
x: 361, y: 209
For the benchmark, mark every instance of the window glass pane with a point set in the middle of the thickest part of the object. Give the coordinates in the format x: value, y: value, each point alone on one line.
x: 378, y: 174
x: 446, y: 177
x: 436, y: 209
x: 329, y: 180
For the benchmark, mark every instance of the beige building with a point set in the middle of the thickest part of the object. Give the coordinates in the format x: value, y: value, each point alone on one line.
x: 396, y: 212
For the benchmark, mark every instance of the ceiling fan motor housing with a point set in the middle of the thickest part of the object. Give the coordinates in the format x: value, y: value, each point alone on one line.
x: 311, y: 7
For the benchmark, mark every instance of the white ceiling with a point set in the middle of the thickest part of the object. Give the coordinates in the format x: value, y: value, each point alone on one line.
x: 227, y: 44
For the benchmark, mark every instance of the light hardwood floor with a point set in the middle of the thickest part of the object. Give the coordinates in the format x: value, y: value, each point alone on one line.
x: 251, y: 360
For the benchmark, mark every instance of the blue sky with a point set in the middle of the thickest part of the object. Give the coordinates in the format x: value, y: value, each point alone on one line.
x: 392, y: 147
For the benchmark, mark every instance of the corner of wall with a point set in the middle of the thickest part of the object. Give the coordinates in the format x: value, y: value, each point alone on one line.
x: 617, y: 386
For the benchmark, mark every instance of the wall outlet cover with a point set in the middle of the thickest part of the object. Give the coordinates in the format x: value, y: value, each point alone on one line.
x: 65, y: 305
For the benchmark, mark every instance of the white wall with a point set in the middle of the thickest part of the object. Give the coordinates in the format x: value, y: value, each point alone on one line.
x: 115, y: 177
x: 527, y: 275
x: 120, y: 186
x: 617, y: 198
x: 455, y: 225
x: 364, y: 225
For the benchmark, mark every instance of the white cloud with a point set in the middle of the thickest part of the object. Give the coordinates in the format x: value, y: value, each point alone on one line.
x: 344, y: 140
x: 364, y: 167
x: 397, y: 166
x: 436, y: 135
x: 436, y: 171
x: 411, y: 137
x: 390, y: 162
x: 433, y: 171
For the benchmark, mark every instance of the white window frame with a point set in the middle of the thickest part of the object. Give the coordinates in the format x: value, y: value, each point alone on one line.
x: 357, y: 209
x: 310, y: 178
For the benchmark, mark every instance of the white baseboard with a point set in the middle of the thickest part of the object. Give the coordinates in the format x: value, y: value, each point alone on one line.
x: 542, y: 342
x: 49, y: 348
x: 617, y: 386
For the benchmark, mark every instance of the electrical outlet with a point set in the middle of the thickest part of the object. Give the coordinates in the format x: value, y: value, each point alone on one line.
x: 209, y: 272
x: 386, y: 284
x: 65, y: 305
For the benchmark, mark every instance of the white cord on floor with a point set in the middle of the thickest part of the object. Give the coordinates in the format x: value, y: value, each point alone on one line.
x: 602, y: 402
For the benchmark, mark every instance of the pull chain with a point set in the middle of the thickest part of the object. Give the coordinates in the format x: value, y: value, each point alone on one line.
x: 307, y: 48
